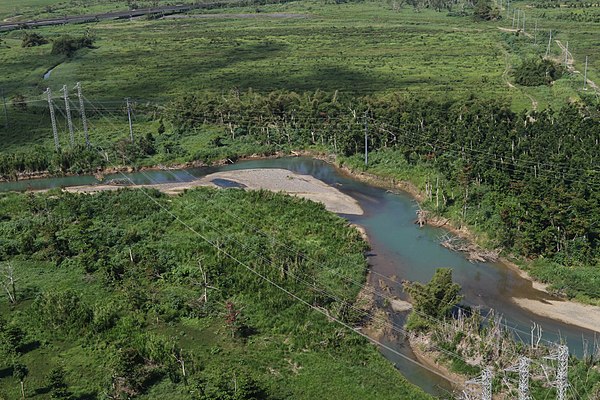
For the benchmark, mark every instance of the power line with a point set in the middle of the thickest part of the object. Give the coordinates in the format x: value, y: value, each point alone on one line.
x: 266, y: 279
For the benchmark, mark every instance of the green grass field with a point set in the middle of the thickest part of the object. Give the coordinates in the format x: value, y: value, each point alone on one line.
x: 21, y: 10
x: 355, y: 48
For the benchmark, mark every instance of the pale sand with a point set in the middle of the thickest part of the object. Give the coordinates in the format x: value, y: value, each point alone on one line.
x: 582, y: 315
x: 275, y: 180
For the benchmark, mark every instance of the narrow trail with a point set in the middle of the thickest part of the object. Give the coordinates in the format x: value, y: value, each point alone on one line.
x: 571, y: 65
x: 534, y: 103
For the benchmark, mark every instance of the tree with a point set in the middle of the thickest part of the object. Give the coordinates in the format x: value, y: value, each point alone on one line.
x: 537, y: 71
x: 57, y: 384
x: 33, y: 39
x: 232, y: 317
x: 67, y: 45
x: 19, y: 102
x: 20, y: 372
x: 484, y: 11
x: 434, y: 300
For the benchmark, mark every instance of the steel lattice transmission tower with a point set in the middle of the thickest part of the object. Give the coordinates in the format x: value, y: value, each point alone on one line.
x: 68, y: 113
x: 82, y: 112
x: 523, y: 369
x: 53, y: 119
x: 561, y: 383
x: 485, y: 381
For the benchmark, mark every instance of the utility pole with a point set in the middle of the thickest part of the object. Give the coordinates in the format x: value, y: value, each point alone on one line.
x: 53, y: 119
x: 518, y: 16
x: 129, y: 117
x: 366, y: 139
x: 514, y: 16
x: 523, y: 21
x: 584, y: 78
x: 507, y: 8
x: 82, y: 112
x: 68, y: 112
x: 5, y: 109
x: 549, y: 42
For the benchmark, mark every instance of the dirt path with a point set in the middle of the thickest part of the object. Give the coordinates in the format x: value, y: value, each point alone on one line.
x: 275, y: 180
x: 237, y: 16
x: 534, y: 103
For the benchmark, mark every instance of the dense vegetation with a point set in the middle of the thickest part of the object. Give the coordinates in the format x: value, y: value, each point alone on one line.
x: 526, y: 180
x: 114, y: 297
x: 537, y: 71
x: 461, y: 337
x: 67, y: 46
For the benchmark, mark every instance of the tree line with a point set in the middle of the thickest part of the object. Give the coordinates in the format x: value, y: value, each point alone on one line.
x: 527, y: 180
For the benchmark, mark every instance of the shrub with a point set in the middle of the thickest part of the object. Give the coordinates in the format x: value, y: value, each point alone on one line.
x: 33, y: 39
x: 537, y: 71
x: 67, y: 45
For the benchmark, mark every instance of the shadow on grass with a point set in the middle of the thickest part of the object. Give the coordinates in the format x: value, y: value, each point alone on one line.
x: 6, y: 372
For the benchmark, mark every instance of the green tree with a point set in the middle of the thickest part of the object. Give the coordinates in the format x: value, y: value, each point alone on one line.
x: 537, y: 71
x: 20, y: 372
x: 57, y: 384
x: 434, y: 300
x: 33, y: 39
x: 484, y: 11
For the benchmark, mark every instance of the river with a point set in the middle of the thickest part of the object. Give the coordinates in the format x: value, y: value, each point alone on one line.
x: 398, y: 247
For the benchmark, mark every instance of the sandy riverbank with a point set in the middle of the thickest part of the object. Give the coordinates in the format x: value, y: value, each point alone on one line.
x: 570, y: 312
x: 276, y: 180
x: 582, y: 315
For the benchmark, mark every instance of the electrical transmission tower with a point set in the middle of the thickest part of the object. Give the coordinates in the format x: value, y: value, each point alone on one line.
x: 68, y: 113
x: 523, y: 369
x: 82, y: 112
x: 129, y: 117
x: 549, y: 42
x: 366, y: 139
x: 561, y: 383
x: 485, y: 381
x: 585, y: 74
x: 53, y: 119
x: 6, y: 111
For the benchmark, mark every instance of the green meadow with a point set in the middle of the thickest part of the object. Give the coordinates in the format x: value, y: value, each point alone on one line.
x: 359, y: 49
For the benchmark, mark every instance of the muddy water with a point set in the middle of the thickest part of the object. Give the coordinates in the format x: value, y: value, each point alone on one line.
x: 400, y: 250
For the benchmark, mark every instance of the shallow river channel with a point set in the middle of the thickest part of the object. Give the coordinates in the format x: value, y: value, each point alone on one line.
x: 398, y: 248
